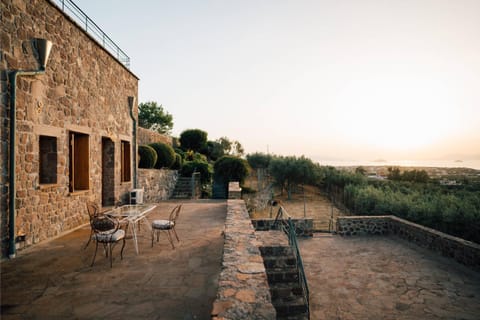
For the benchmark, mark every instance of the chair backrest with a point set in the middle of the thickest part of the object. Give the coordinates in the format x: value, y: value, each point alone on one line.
x: 92, y: 209
x: 175, y: 212
x: 104, y: 224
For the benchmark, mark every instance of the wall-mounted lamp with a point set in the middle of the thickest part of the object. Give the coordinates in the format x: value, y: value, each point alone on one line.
x: 43, y: 48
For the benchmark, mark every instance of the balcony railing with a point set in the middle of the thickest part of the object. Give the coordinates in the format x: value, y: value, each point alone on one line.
x: 74, y: 12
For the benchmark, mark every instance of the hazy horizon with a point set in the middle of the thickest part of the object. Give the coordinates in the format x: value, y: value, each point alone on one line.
x: 360, y: 80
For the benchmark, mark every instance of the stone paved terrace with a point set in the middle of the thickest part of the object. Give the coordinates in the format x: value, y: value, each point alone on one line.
x: 54, y: 280
x: 364, y: 277
x: 379, y: 277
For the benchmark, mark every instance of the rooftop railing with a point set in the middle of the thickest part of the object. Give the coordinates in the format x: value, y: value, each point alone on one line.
x: 74, y: 12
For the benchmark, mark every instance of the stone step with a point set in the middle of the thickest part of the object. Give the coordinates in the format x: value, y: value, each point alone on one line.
x: 290, y: 308
x: 286, y: 291
x: 287, y: 261
x: 278, y: 275
x: 301, y: 316
x: 276, y: 251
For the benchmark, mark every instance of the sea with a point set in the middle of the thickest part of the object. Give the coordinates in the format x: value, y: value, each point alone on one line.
x: 472, y: 164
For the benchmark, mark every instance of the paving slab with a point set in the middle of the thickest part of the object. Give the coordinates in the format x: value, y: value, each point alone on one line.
x: 386, y: 278
x: 54, y: 280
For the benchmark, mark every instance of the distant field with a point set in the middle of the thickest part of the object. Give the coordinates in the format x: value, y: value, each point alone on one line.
x: 316, y: 206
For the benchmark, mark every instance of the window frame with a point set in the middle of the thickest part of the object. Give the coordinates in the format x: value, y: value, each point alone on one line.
x: 47, y: 174
x: 79, y: 161
x: 126, y: 161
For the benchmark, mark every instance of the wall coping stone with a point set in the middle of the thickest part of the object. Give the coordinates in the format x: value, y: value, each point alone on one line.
x: 461, y: 250
x: 243, y: 290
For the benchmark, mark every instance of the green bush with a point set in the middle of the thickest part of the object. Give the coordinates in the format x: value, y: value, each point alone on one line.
x: 178, y: 163
x: 230, y: 168
x: 148, y: 157
x: 165, y: 153
x: 193, y: 139
x: 203, y: 167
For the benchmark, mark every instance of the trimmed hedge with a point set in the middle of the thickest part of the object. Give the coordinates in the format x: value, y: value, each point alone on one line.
x: 178, y: 163
x: 165, y: 153
x: 148, y: 157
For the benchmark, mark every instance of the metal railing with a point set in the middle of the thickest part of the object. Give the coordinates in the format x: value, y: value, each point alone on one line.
x: 289, y: 228
x: 74, y: 12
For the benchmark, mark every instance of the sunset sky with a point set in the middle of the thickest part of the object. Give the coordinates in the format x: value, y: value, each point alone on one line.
x: 351, y: 79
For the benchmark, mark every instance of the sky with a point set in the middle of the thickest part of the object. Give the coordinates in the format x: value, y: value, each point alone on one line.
x: 339, y: 79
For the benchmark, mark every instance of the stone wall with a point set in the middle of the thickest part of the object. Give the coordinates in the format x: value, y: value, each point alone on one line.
x: 463, y: 251
x: 243, y: 291
x: 304, y: 227
x: 145, y: 136
x: 84, y: 90
x: 157, y: 184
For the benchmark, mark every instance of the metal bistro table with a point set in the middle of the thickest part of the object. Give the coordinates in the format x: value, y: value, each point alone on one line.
x: 133, y: 214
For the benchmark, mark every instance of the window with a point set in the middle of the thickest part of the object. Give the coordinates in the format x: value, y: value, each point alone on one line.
x: 126, y: 163
x: 48, y: 160
x: 79, y: 161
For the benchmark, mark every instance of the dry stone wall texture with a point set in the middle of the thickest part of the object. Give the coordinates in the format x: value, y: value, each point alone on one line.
x: 243, y: 291
x: 157, y: 184
x: 84, y: 90
x: 463, y: 251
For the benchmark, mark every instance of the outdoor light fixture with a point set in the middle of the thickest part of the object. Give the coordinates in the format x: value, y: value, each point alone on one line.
x: 43, y: 48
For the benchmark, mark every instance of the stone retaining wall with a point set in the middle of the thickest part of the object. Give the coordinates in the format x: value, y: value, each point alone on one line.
x: 304, y: 227
x: 243, y: 291
x: 84, y: 94
x: 463, y: 251
x: 157, y: 184
x: 145, y: 136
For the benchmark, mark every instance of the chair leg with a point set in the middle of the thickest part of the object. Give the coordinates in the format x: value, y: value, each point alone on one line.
x: 176, y: 236
x: 121, y: 251
x: 110, y: 248
x: 89, y: 239
x: 95, y: 254
x: 170, y: 239
x: 153, y: 236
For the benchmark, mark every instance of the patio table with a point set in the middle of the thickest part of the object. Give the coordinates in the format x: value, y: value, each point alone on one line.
x: 133, y: 214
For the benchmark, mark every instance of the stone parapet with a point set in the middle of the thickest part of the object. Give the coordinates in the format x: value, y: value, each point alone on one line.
x: 234, y: 190
x: 303, y: 226
x: 463, y: 251
x: 157, y: 184
x: 145, y: 136
x: 243, y: 290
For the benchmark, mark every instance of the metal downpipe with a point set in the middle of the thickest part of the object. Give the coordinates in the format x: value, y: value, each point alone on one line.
x: 131, y: 105
x: 12, y: 190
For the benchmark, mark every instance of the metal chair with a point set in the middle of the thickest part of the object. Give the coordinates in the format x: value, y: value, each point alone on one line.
x: 93, y: 212
x: 106, y: 230
x: 168, y: 226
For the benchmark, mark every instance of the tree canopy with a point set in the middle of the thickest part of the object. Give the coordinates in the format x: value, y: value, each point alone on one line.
x: 193, y: 139
x: 152, y: 116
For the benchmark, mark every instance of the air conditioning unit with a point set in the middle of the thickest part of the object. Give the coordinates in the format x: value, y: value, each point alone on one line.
x: 136, y: 196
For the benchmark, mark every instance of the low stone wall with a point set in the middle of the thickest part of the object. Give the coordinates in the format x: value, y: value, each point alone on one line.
x: 243, y: 291
x: 463, y: 251
x: 304, y: 227
x: 158, y: 185
x: 145, y: 136
x: 363, y: 225
x: 234, y: 190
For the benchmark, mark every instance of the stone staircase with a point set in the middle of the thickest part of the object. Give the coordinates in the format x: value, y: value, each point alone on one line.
x: 183, y: 188
x: 283, y: 278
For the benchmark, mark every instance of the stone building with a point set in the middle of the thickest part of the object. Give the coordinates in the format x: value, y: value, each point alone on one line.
x: 75, y: 127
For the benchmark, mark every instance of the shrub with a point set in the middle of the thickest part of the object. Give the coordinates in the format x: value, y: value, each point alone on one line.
x: 165, y: 153
x: 203, y: 167
x: 178, y: 163
x: 229, y: 168
x: 148, y: 157
x: 193, y: 139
